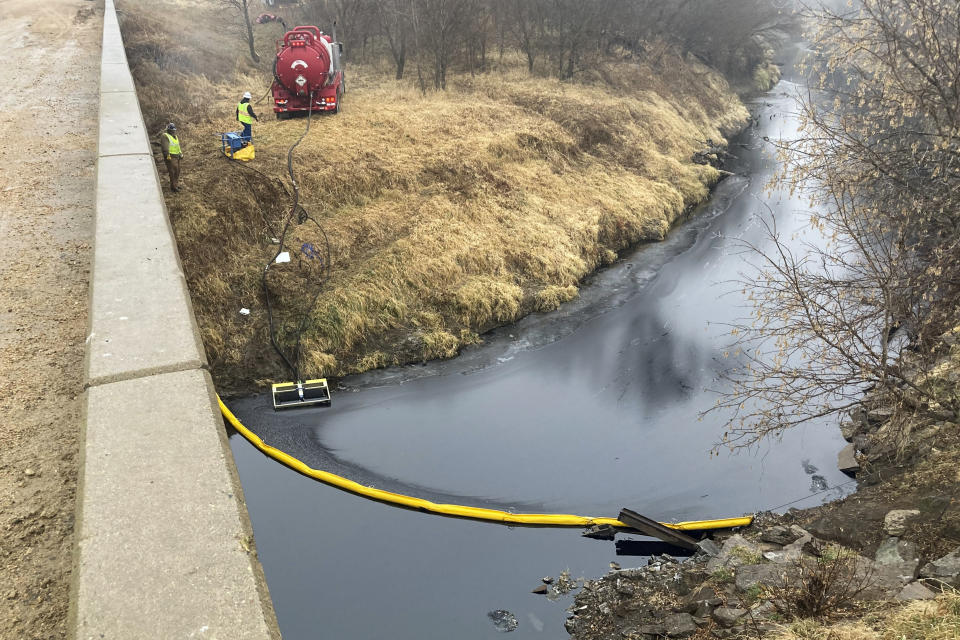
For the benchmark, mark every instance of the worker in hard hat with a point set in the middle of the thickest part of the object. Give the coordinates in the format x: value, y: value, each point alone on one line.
x: 170, y: 144
x: 246, y: 116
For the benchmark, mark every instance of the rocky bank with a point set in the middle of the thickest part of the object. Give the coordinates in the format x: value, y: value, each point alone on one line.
x: 895, y: 540
x: 755, y: 581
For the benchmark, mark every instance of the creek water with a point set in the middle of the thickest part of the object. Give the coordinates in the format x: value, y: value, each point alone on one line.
x: 585, y: 410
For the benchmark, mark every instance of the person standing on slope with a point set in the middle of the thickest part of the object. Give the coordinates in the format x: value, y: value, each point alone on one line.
x: 170, y: 145
x: 246, y: 116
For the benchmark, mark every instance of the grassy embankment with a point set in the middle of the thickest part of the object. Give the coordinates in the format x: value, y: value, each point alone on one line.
x: 926, y: 620
x: 447, y: 214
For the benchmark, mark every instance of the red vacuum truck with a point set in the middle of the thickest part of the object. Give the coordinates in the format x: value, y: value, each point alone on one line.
x: 308, y: 61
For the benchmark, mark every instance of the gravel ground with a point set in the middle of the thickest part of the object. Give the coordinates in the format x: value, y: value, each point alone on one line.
x: 48, y: 127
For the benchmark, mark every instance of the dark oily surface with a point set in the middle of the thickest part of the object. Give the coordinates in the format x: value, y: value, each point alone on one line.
x: 585, y: 411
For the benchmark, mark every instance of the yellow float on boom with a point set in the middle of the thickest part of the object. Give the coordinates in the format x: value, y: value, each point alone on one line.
x: 455, y: 510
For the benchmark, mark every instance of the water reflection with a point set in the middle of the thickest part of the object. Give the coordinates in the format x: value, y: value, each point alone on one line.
x: 586, y: 410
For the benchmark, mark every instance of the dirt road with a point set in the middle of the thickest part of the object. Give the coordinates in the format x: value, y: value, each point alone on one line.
x: 48, y: 127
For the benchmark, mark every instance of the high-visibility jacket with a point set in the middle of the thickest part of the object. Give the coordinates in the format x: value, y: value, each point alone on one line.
x: 243, y: 113
x: 174, y: 148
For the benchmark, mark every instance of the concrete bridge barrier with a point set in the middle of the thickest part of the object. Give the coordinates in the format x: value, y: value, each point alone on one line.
x: 164, y: 547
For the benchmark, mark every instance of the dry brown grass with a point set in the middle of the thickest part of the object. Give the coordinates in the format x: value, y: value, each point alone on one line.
x: 447, y: 214
x: 926, y: 620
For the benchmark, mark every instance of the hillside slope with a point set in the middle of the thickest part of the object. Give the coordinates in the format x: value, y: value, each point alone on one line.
x: 446, y: 213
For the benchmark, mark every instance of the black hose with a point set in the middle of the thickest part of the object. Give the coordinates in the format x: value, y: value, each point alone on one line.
x: 293, y: 363
x: 324, y: 274
x: 270, y: 90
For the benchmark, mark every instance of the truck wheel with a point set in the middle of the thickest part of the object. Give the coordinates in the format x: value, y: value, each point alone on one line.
x: 336, y: 109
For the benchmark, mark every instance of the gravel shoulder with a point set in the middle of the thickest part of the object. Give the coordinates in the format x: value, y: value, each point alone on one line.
x: 48, y: 130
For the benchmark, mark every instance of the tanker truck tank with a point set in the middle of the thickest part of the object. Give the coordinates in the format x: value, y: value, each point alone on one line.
x: 308, y: 62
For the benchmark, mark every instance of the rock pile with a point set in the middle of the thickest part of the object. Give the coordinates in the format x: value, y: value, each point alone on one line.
x: 750, y: 581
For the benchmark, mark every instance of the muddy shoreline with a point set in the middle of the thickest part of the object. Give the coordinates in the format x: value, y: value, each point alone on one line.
x: 406, y: 348
x: 584, y: 410
x: 410, y: 364
x: 234, y: 381
x: 489, y: 428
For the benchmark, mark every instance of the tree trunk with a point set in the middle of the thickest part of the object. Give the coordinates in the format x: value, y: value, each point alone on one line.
x: 501, y: 39
x: 571, y: 62
x: 443, y: 73
x: 246, y: 19
x: 402, y: 58
x: 417, y: 50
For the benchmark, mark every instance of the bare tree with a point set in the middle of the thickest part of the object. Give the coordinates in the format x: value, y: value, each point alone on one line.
x: 880, y: 146
x: 240, y: 8
x: 477, y: 25
x: 394, y: 16
x: 415, y: 23
x: 572, y: 34
x: 525, y: 15
x: 441, y: 23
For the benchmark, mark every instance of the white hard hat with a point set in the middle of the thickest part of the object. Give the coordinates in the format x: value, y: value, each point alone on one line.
x: 247, y: 95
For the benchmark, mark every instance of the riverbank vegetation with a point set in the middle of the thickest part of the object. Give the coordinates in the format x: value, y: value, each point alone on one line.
x: 876, y: 309
x: 925, y: 620
x: 868, y: 327
x: 448, y: 207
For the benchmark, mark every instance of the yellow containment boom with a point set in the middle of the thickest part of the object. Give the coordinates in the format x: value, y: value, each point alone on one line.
x: 456, y: 510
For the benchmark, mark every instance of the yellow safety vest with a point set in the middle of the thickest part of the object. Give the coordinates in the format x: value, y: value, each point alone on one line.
x: 174, y: 149
x: 243, y: 114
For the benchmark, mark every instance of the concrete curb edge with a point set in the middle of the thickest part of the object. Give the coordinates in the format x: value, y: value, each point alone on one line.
x: 163, y: 543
